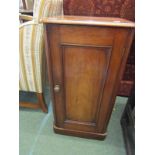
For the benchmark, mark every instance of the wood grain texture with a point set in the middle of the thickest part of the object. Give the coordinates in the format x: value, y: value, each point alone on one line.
x: 85, y: 20
x: 83, y: 83
x: 85, y: 67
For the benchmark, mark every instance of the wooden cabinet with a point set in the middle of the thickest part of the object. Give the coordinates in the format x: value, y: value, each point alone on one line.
x: 85, y: 57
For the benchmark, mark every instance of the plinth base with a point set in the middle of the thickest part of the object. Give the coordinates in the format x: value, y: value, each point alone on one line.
x: 83, y: 134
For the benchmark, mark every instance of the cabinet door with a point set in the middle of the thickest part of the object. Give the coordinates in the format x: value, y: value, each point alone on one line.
x: 85, y: 62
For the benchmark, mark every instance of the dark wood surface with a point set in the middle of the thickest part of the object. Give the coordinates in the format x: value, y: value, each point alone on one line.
x: 85, y: 65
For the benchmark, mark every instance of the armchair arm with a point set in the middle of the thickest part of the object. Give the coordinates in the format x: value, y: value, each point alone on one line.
x: 32, y: 35
x: 29, y: 24
x: 25, y: 17
x: 30, y: 56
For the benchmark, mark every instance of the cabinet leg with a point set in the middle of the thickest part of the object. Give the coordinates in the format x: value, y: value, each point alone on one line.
x: 41, y: 102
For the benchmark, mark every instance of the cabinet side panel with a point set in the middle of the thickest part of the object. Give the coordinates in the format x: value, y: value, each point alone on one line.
x: 117, y: 64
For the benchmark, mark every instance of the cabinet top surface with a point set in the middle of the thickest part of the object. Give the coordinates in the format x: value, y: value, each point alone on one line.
x: 88, y: 20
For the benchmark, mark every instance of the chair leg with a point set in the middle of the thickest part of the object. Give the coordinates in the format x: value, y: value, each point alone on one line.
x: 41, y: 102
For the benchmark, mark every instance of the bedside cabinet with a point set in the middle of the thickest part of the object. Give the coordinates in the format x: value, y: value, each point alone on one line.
x: 86, y: 57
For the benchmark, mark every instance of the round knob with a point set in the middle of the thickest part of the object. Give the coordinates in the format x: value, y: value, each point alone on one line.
x: 57, y: 88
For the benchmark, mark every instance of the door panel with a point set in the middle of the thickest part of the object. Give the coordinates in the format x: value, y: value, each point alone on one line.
x: 84, y: 72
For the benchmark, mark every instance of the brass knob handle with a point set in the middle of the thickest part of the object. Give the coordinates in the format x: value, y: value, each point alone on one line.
x: 57, y: 88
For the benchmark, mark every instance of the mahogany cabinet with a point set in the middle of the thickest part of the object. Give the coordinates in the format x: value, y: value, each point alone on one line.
x: 86, y: 57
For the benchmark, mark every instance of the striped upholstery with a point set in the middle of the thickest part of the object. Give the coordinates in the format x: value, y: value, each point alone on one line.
x: 31, y: 45
x: 47, y: 8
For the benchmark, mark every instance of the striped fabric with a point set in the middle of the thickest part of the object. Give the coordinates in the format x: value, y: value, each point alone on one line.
x: 31, y: 45
x: 47, y: 8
